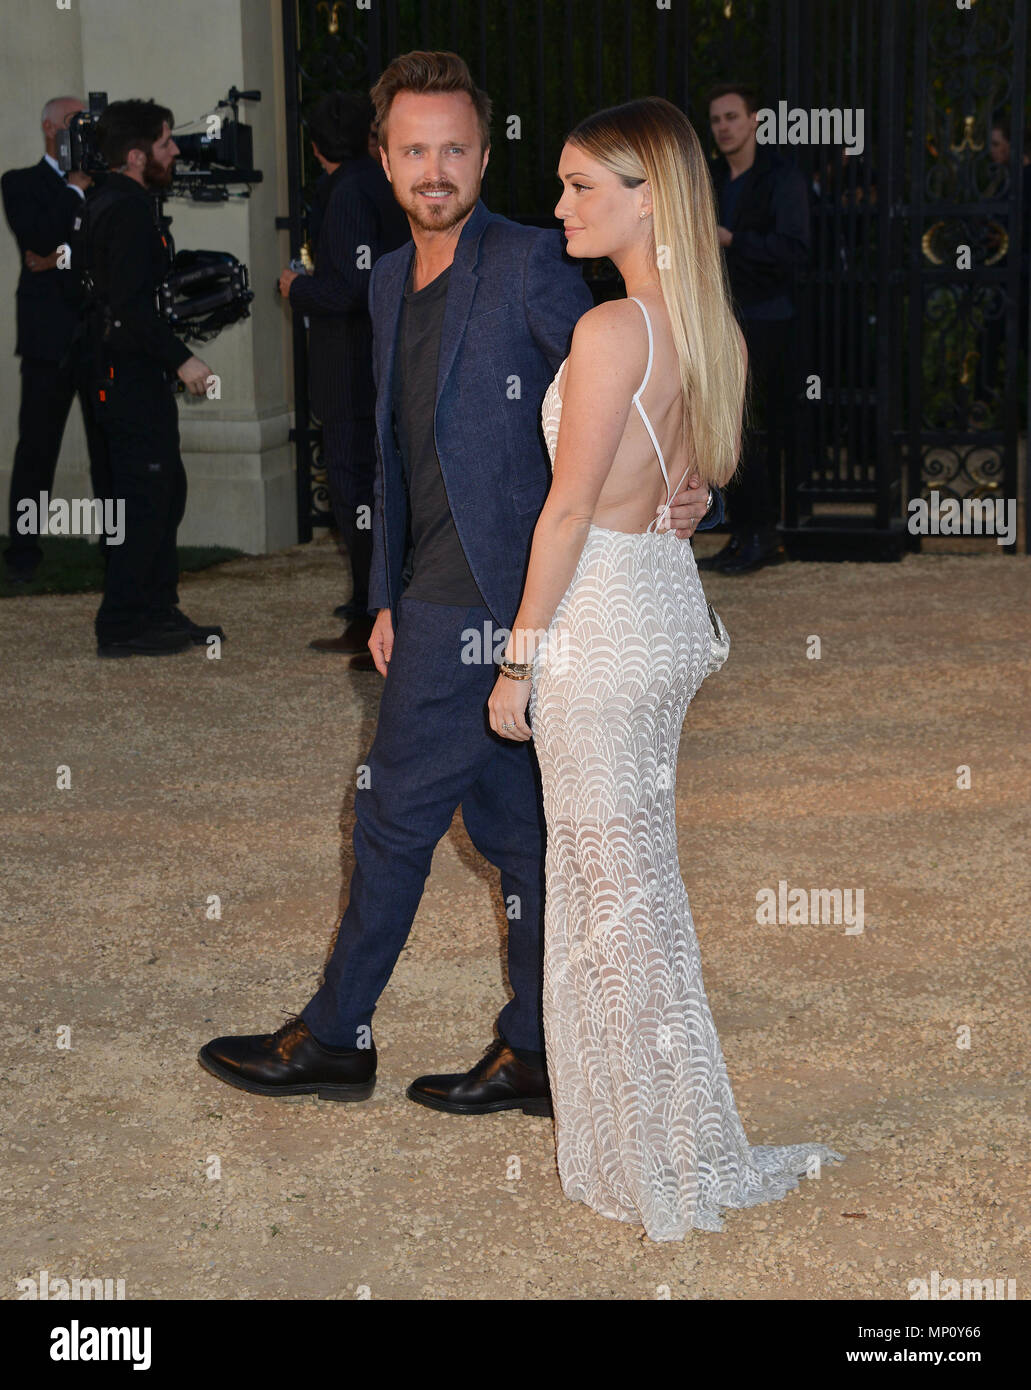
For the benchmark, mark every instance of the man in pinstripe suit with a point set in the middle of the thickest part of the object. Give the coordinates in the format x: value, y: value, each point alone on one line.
x: 356, y: 219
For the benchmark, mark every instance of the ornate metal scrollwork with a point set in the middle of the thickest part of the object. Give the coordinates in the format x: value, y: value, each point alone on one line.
x: 963, y: 212
x: 322, y: 511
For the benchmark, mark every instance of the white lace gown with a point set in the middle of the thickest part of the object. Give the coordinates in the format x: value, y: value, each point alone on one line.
x: 646, y: 1126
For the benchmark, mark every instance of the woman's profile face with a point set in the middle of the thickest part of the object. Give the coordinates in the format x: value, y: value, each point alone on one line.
x: 600, y: 215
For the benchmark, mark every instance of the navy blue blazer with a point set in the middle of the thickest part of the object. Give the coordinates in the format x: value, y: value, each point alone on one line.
x: 513, y: 300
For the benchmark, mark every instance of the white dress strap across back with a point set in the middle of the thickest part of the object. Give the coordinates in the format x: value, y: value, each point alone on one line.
x: 652, y: 525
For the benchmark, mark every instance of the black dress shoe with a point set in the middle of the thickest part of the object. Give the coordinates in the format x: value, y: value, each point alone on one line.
x: 354, y: 639
x: 717, y: 561
x: 21, y: 574
x: 155, y: 641
x: 499, y: 1081
x: 363, y: 661
x: 198, y: 633
x: 755, y: 552
x: 290, y: 1062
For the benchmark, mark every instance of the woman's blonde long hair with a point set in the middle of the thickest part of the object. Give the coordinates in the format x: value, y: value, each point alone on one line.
x: 652, y: 139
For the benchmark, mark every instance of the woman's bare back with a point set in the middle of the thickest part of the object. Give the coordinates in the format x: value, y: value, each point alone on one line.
x: 635, y: 487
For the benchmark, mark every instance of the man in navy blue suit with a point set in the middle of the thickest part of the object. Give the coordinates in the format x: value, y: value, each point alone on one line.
x: 471, y: 321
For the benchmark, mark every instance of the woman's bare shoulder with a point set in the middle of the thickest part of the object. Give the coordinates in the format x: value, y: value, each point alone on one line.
x: 611, y: 340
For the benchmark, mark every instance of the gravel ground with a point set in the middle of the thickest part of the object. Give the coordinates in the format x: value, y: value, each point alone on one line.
x: 904, y: 1047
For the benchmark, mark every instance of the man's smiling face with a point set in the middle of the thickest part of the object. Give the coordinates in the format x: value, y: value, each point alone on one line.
x: 433, y: 157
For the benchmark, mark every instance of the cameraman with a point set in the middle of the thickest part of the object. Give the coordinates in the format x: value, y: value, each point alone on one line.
x: 126, y: 257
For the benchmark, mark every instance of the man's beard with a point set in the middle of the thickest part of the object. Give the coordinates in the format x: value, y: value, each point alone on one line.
x: 429, y: 221
x: 155, y: 175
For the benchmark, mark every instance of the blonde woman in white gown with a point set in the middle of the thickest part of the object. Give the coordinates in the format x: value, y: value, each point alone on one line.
x: 608, y: 648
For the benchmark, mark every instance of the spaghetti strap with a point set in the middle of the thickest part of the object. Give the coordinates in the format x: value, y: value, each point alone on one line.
x: 648, y: 424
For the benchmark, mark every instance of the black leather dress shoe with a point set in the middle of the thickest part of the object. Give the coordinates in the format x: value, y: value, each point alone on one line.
x: 198, y: 633
x: 353, y: 640
x: 290, y: 1062
x: 155, y: 641
x: 717, y: 561
x: 755, y: 552
x: 20, y: 574
x: 499, y: 1081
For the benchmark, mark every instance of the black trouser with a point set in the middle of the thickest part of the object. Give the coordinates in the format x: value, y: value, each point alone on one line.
x: 753, y: 498
x: 141, y: 425
x: 47, y: 392
x: 349, y: 453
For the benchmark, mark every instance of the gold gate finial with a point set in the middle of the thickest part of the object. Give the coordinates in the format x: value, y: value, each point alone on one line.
x: 968, y: 142
x: 333, y: 13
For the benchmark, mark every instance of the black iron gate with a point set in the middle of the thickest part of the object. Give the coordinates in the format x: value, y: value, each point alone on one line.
x: 911, y: 374
x: 914, y: 306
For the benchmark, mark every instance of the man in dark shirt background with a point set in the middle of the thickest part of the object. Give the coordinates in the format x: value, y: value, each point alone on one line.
x: 763, y: 213
x: 140, y: 357
x: 41, y: 203
x: 355, y: 220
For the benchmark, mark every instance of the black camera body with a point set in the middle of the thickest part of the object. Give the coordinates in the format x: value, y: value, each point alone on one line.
x: 230, y: 147
x: 76, y: 147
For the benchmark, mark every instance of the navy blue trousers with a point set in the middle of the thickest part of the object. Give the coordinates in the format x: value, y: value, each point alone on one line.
x: 434, y: 751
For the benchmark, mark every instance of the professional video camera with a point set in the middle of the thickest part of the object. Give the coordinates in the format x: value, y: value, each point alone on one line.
x: 217, y: 158
x: 76, y: 147
x: 205, y: 291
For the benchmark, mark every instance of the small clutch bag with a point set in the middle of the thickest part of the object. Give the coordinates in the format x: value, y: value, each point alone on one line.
x: 719, y: 642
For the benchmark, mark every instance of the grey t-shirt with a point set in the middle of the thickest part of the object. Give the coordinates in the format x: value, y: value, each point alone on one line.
x: 440, y: 571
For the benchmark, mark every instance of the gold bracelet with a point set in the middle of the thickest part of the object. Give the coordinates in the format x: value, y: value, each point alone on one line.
x: 513, y: 675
